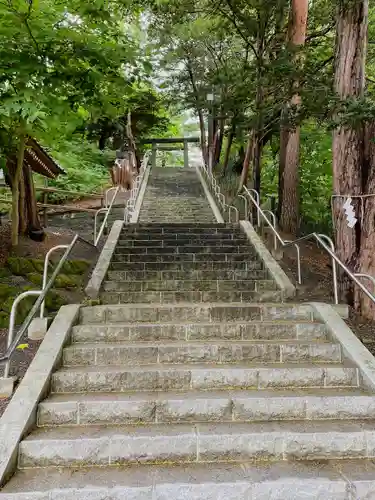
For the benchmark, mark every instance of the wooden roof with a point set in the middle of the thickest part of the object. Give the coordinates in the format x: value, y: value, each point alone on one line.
x: 40, y: 162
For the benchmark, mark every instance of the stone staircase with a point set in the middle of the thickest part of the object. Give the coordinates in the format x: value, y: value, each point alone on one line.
x: 192, y: 380
x: 175, y: 195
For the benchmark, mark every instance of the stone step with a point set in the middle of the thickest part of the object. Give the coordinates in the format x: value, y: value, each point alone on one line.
x: 173, y: 237
x: 176, y: 297
x: 193, y: 406
x: 175, y: 217
x: 200, y: 443
x: 249, y: 330
x: 181, y: 228
x: 182, y: 257
x: 185, y: 249
x: 345, y: 479
x: 189, y: 285
x: 204, y: 265
x: 202, y: 377
x: 177, y: 352
x: 189, y: 313
x: 187, y: 274
x: 181, y: 242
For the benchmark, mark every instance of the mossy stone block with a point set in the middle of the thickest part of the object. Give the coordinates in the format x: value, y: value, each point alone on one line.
x: 35, y: 278
x: 76, y: 267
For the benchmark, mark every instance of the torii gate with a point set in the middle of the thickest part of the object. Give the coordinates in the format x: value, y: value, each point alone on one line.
x: 183, y: 141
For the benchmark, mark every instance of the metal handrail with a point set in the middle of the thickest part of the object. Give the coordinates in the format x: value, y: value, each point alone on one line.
x: 219, y: 195
x: 13, y: 342
x: 130, y: 205
x: 321, y: 239
x: 104, y: 223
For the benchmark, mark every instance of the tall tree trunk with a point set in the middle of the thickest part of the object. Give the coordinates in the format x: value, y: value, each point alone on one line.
x: 16, y: 188
x: 290, y: 136
x: 257, y: 157
x: 29, y: 210
x: 366, y: 257
x: 229, y: 146
x: 348, y: 146
x: 219, y: 140
x: 247, y: 161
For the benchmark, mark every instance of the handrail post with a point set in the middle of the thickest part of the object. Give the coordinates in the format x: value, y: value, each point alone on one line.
x: 45, y: 272
x: 334, y: 267
x: 12, y: 322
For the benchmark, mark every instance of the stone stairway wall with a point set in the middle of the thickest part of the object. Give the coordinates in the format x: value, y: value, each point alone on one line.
x: 193, y: 381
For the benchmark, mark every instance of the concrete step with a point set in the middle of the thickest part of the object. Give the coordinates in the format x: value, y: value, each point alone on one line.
x: 204, y: 265
x: 195, y: 406
x: 187, y: 274
x: 189, y: 285
x: 202, y: 377
x: 185, y: 249
x: 343, y: 479
x: 161, y: 297
x: 179, y: 352
x: 200, y: 443
x: 181, y: 228
x: 182, y: 237
x: 181, y: 242
x: 189, y: 313
x: 182, y: 257
x: 249, y: 330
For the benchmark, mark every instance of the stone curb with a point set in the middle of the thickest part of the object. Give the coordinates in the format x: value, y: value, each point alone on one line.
x: 135, y: 215
x: 100, y: 271
x: 21, y: 413
x: 352, y: 347
x: 211, y: 201
x: 7, y: 386
x: 281, y: 279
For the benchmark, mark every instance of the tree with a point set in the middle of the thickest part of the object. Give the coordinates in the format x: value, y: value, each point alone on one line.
x: 52, y: 59
x: 348, y: 140
x: 290, y: 133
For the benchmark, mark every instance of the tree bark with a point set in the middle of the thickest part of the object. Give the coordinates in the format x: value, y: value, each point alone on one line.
x: 289, y: 135
x: 348, y: 144
x: 257, y: 157
x: 16, y: 188
x: 219, y: 140
x: 228, y: 148
x: 247, y: 160
x: 366, y: 257
x: 29, y: 211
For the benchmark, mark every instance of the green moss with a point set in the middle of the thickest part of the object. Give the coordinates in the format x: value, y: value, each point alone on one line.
x: 54, y: 301
x: 38, y: 265
x: 21, y: 266
x: 76, y: 267
x: 35, y: 278
x: 4, y: 320
x: 65, y: 281
x: 5, y: 272
x: 7, y: 291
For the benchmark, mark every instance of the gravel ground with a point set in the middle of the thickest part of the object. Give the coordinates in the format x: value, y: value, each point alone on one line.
x: 20, y: 361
